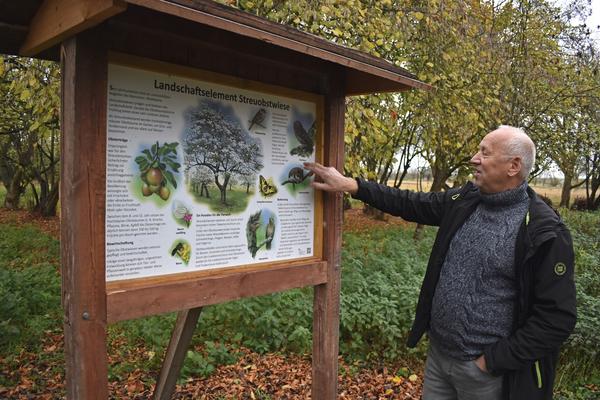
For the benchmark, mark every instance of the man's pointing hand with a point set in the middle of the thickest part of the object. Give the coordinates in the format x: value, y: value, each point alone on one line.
x: 331, y: 179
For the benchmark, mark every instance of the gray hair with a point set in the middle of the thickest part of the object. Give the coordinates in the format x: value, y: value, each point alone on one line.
x: 520, y: 145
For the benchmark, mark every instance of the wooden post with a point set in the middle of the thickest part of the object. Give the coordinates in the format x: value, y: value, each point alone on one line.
x: 82, y: 197
x: 178, y: 345
x: 326, y: 305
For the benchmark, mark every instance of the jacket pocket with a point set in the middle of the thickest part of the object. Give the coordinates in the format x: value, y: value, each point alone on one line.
x: 538, y: 374
x: 534, y: 381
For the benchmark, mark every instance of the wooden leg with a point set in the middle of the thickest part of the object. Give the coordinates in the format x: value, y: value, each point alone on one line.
x: 326, y: 305
x: 178, y: 346
x: 82, y: 197
x: 325, y: 342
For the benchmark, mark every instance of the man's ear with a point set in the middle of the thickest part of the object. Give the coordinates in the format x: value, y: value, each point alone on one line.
x: 515, y: 166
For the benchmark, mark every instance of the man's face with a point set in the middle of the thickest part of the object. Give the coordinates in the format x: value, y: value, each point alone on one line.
x: 491, y: 165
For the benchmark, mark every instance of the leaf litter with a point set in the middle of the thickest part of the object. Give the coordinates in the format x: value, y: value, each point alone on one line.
x: 40, y: 373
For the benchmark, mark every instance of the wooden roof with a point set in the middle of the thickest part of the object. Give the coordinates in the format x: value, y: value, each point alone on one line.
x: 36, y: 27
x: 15, y: 17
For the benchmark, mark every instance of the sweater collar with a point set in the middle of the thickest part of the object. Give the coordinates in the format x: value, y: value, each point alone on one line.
x: 507, y: 197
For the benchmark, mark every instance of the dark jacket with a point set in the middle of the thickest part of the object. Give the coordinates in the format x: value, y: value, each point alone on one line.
x: 546, y: 307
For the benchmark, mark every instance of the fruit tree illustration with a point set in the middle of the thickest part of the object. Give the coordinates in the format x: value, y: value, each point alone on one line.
x: 215, y: 139
x: 157, y: 165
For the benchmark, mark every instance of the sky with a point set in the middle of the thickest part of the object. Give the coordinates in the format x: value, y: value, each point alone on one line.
x: 594, y: 19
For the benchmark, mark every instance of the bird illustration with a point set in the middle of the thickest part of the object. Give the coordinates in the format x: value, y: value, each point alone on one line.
x: 258, y: 119
x: 306, y: 139
x: 251, y: 227
x: 296, y: 176
x: 270, y: 232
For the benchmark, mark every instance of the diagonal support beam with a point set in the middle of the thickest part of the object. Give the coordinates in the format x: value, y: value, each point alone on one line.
x: 178, y: 347
x: 57, y: 20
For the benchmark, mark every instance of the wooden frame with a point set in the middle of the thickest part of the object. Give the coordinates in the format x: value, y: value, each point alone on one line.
x: 133, y: 298
x: 90, y: 304
x: 326, y: 304
x: 83, y: 145
x: 56, y: 20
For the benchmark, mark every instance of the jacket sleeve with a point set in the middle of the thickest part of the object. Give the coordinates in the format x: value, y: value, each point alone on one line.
x: 422, y: 207
x: 552, y: 316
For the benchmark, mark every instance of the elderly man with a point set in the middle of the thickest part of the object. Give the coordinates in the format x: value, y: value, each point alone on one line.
x: 498, y: 297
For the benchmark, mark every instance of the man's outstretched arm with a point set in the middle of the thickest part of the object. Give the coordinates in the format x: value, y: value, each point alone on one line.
x: 425, y: 208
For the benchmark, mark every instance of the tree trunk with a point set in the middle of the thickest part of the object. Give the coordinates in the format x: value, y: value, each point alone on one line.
x: 374, y: 213
x: 223, y: 188
x: 565, y: 195
x: 204, y: 189
x: 14, y: 191
x: 439, y: 182
x: 247, y: 188
x: 48, y: 203
x: 595, y: 185
x: 347, y: 205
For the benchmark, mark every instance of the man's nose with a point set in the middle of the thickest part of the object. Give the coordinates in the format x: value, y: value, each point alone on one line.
x: 475, y: 159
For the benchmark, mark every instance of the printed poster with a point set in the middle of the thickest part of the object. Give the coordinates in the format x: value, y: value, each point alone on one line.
x: 202, y: 175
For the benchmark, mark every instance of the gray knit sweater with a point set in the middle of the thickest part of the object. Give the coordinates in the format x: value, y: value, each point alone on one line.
x: 475, y: 296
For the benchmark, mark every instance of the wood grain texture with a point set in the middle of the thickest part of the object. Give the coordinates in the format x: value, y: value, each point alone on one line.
x: 82, y: 194
x: 326, y: 305
x: 228, y: 19
x: 183, y: 42
x: 175, y: 355
x: 191, y: 293
x: 57, y: 20
x: 185, y: 71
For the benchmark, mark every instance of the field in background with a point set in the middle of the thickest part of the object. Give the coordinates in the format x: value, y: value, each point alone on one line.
x: 553, y: 192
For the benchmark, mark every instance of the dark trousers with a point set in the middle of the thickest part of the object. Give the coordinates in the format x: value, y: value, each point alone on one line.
x: 450, y: 379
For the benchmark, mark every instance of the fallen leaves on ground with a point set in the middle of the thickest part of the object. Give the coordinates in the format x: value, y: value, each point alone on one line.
x: 355, y: 220
x: 276, y: 376
x: 41, y: 374
x: 254, y: 376
x: 49, y: 225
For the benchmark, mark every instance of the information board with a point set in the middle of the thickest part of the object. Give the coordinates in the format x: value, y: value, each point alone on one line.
x: 203, y: 174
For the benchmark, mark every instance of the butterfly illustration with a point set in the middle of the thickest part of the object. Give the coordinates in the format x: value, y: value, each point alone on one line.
x: 267, y: 189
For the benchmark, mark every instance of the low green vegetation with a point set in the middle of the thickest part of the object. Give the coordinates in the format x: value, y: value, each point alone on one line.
x: 382, y: 271
x: 29, y: 294
x: 579, y: 370
x: 237, y: 199
x: 28, y: 304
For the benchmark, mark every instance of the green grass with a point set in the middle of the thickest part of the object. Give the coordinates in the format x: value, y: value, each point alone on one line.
x: 237, y: 199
